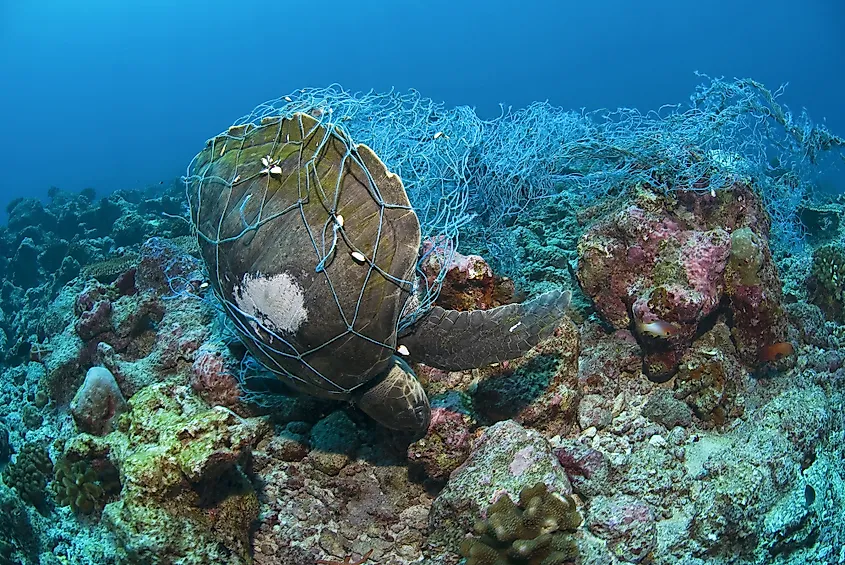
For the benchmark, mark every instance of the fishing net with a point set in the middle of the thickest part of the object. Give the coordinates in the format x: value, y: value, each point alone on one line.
x: 311, y: 246
x: 476, y: 180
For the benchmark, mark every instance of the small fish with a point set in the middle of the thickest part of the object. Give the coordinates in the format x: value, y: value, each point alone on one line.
x: 776, y: 351
x: 658, y: 329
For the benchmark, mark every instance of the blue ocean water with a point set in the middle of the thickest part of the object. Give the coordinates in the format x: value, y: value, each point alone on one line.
x: 624, y: 309
x: 130, y: 87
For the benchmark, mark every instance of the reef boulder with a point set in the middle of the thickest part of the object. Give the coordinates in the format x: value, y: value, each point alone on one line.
x: 663, y: 264
x: 98, y: 403
x: 505, y: 459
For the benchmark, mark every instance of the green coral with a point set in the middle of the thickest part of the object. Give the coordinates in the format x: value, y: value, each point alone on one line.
x: 537, y: 532
x: 29, y: 474
x: 185, y: 497
x: 78, y: 485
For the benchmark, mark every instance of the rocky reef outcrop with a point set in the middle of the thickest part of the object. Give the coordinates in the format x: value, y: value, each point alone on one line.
x: 658, y: 413
x: 664, y: 267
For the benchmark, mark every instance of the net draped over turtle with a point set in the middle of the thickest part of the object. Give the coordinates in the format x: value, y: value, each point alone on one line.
x: 311, y: 246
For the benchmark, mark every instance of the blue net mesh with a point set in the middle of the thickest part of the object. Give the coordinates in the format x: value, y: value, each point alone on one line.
x: 468, y: 177
x: 428, y: 146
x: 730, y: 130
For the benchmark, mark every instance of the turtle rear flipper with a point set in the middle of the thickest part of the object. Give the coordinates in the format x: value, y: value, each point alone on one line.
x: 455, y: 341
x: 396, y: 400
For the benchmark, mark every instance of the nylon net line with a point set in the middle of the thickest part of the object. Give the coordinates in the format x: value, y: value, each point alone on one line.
x: 472, y: 180
x: 311, y: 246
x: 430, y: 147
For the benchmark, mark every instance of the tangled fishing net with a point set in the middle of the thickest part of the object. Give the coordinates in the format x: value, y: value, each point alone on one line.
x: 468, y: 177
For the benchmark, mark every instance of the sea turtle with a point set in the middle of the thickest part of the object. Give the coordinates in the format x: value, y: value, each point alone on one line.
x: 312, y: 245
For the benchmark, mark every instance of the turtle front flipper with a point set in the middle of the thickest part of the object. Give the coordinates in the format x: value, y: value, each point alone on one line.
x: 455, y: 341
x: 396, y: 400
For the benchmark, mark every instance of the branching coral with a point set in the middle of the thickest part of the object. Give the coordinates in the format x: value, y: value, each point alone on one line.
x: 29, y: 474
x: 80, y: 486
x: 537, y: 532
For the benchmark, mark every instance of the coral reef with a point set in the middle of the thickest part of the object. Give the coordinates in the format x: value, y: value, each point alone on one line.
x: 468, y: 283
x: 449, y: 439
x: 212, y: 377
x: 735, y: 459
x: 165, y: 268
x: 506, y: 459
x: 183, y: 484
x: 626, y: 524
x: 182, y: 481
x: 43, y: 247
x: 538, y: 389
x: 81, y: 486
x: 827, y: 285
x: 372, y: 503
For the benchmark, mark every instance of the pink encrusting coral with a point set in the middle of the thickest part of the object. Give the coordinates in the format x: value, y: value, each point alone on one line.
x: 704, y: 256
x: 661, y: 265
x: 94, y: 310
x: 213, y: 379
x: 446, y: 445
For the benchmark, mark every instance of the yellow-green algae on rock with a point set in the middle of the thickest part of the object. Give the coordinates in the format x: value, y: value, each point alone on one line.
x: 185, y: 497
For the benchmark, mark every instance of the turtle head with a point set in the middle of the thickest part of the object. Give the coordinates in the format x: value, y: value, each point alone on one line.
x: 397, y: 400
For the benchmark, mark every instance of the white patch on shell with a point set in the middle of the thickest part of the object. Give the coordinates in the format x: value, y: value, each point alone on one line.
x: 277, y: 302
